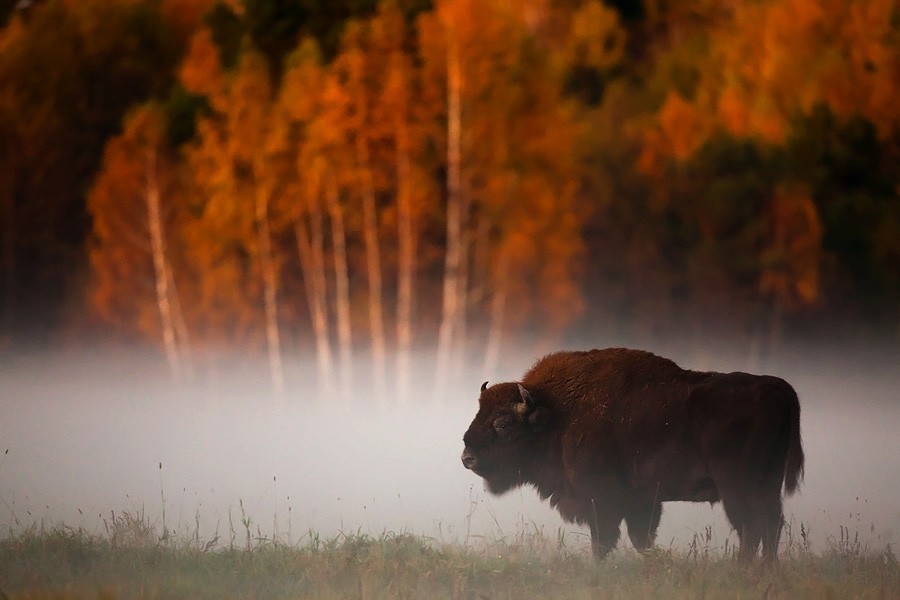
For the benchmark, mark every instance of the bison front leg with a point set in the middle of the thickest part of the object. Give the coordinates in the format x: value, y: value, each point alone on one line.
x: 642, y: 519
x: 604, y: 523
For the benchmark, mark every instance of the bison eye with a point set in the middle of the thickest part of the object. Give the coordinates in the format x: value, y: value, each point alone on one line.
x: 502, y: 424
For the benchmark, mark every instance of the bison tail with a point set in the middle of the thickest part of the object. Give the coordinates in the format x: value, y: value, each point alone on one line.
x: 793, y: 468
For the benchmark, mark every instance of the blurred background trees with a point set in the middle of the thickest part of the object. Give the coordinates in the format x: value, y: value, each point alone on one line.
x: 372, y: 178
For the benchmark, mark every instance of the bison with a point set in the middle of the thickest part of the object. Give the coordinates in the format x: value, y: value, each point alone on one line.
x: 611, y: 434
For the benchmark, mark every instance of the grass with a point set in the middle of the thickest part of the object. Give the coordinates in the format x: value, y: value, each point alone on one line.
x: 131, y: 559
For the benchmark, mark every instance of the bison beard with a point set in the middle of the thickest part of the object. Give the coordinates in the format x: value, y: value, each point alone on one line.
x: 611, y: 434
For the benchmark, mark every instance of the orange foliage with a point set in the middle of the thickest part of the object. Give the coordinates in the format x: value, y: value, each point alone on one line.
x: 795, y: 54
x: 793, y: 258
x: 596, y: 37
x: 771, y: 59
x: 12, y: 33
x: 680, y: 130
x: 871, y: 82
x: 185, y: 16
x: 518, y: 144
x: 200, y: 71
x: 231, y: 162
x: 734, y: 114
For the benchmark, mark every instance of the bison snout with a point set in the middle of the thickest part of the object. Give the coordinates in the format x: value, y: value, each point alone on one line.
x: 468, y: 459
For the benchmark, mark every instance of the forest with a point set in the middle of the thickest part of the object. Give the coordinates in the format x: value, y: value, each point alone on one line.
x: 382, y: 178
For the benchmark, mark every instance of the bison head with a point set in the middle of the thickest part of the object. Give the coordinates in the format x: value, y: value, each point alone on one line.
x: 504, y: 436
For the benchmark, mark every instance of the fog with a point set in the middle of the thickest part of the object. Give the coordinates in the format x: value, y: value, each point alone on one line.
x: 90, y: 433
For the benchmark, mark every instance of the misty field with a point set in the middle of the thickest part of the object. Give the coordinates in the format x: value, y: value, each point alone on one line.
x: 216, y: 497
x: 131, y: 559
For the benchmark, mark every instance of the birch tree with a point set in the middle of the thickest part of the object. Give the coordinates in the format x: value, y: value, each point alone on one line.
x: 300, y: 103
x: 511, y: 164
x: 341, y: 282
x: 310, y: 235
x: 250, y: 143
x: 353, y: 70
x: 319, y: 104
x: 132, y: 207
x: 453, y: 296
x: 404, y: 113
x: 237, y: 165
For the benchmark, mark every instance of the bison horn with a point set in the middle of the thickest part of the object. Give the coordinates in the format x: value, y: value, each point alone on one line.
x: 526, y: 397
x: 484, y: 386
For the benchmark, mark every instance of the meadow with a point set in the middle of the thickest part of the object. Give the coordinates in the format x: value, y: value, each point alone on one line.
x: 133, y: 558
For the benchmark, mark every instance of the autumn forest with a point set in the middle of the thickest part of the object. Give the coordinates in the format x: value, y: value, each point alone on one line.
x: 380, y: 178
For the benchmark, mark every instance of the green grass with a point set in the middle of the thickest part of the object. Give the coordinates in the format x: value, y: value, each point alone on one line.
x: 132, y: 560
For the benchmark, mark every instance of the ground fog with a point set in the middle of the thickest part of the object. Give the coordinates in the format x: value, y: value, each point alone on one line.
x: 89, y: 434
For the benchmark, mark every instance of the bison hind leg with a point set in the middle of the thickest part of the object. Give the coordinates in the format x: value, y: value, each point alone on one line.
x: 740, y: 514
x: 770, y: 521
x: 642, y: 519
x: 757, y: 517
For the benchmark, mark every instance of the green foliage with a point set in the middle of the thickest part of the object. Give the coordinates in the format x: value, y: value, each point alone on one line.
x: 714, y: 214
x: 6, y: 10
x: 631, y: 10
x: 855, y: 183
x: 227, y: 32
x: 275, y: 27
x: 182, y: 110
x: 723, y: 185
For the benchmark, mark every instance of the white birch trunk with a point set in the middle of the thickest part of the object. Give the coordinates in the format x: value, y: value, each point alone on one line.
x: 450, y: 307
x: 160, y: 267
x: 341, y: 288
x: 181, y: 331
x: 373, y: 266
x: 498, y: 318
x: 466, y: 297
x: 481, y: 263
x: 270, y: 290
x: 310, y: 248
x: 406, y: 267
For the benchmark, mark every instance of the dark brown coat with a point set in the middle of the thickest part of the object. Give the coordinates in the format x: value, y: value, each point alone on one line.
x: 611, y: 434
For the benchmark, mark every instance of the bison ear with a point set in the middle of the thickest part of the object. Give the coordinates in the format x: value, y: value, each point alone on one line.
x: 527, y: 400
x: 538, y: 416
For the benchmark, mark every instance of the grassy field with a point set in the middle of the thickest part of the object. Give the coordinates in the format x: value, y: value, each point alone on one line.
x: 132, y: 560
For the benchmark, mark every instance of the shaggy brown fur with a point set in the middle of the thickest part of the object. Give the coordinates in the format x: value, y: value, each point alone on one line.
x: 611, y: 434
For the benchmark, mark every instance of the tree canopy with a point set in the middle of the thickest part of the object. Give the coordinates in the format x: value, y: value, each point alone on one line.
x: 374, y: 172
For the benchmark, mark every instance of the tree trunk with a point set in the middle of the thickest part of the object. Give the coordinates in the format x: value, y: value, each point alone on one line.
x: 406, y: 266
x: 181, y: 331
x: 7, y: 316
x: 341, y: 287
x: 467, y: 297
x: 481, y: 263
x: 450, y: 307
x: 373, y: 265
x: 9, y: 194
x: 498, y: 318
x: 270, y: 290
x: 310, y: 247
x: 162, y: 277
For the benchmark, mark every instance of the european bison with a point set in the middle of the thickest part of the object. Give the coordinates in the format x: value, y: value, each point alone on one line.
x: 611, y: 434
